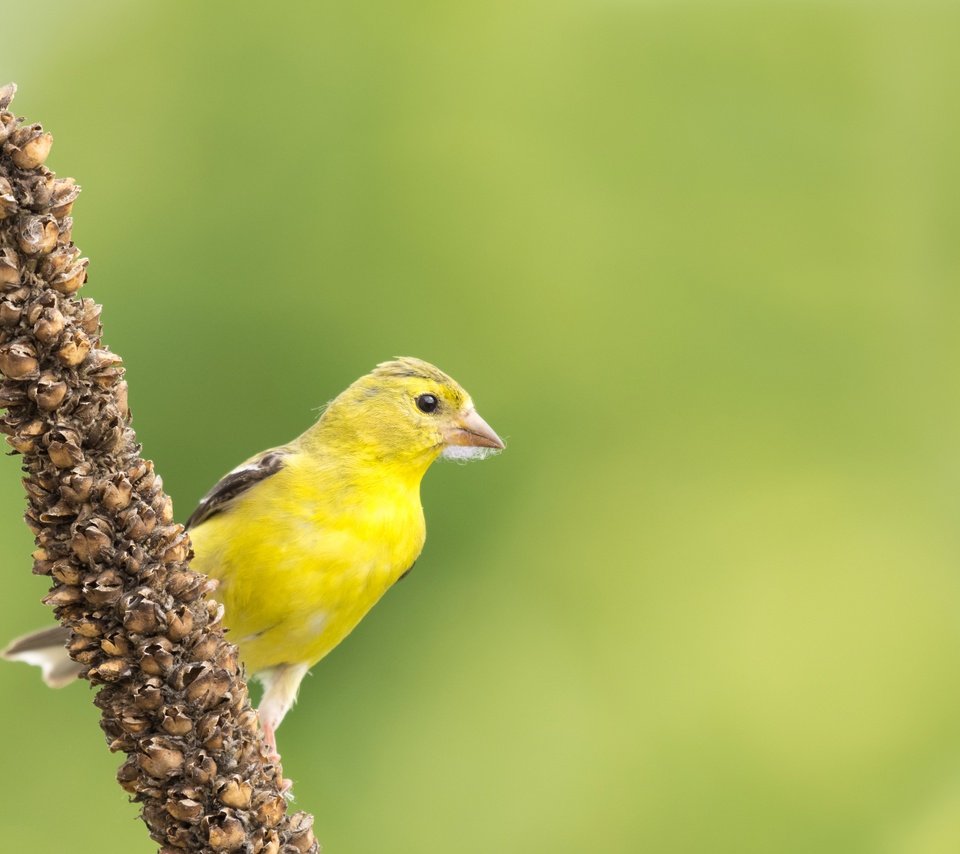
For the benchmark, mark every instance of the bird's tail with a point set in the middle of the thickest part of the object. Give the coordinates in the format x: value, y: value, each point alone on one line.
x: 47, y: 650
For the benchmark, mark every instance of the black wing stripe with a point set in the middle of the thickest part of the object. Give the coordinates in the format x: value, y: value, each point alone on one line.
x: 236, y: 483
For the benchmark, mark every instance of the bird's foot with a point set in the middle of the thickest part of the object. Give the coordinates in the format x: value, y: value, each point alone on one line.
x: 270, y: 740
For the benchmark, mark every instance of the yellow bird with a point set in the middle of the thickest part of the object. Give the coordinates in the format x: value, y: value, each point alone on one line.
x: 305, y: 538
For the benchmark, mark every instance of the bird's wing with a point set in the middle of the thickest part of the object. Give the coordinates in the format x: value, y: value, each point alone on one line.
x: 237, y: 482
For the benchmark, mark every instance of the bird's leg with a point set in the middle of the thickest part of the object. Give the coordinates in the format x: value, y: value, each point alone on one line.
x: 280, y: 686
x: 270, y: 739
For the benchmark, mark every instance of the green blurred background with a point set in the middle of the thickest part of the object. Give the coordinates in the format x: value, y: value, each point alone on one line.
x: 697, y: 262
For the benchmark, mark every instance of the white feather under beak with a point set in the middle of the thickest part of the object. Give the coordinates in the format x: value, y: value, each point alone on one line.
x: 470, y: 438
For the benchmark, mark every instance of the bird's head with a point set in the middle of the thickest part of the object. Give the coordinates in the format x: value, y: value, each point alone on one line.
x: 406, y: 411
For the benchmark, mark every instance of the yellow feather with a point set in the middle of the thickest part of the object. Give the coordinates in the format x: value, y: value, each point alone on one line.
x: 306, y: 553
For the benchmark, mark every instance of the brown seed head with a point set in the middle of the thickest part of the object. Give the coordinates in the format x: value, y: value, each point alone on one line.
x: 225, y: 832
x: 270, y: 809
x: 49, y: 326
x: 179, y: 623
x: 48, y: 392
x: 110, y: 670
x: 235, y: 792
x: 30, y: 151
x: 160, y: 759
x: 175, y: 721
x: 70, y: 280
x: 202, y: 769
x: 38, y: 235
x: 9, y: 267
x: 74, y: 349
x: 301, y: 832
x: 149, y: 695
x: 185, y: 809
x: 19, y: 361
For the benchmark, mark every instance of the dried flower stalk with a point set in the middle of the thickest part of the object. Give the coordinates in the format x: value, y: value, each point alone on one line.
x: 172, y: 692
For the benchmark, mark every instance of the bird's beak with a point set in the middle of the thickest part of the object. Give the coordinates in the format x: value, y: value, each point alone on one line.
x: 470, y: 430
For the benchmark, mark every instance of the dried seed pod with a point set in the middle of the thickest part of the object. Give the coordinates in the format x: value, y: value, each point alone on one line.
x: 11, y: 394
x: 270, y: 810
x: 179, y: 623
x: 66, y: 230
x: 116, y: 493
x: 19, y: 361
x: 90, y: 544
x: 105, y: 589
x: 149, y: 695
x: 63, y: 594
x: 75, y: 486
x: 49, y: 326
x: 267, y: 842
x: 202, y: 768
x: 64, y: 454
x: 65, y: 192
x: 9, y: 267
x: 140, y: 616
x: 62, y: 258
x: 32, y: 149
x: 70, y: 280
x: 67, y: 572
x: 110, y: 670
x: 43, y: 567
x: 62, y: 511
x: 201, y: 682
x: 8, y: 203
x: 224, y: 831
x: 123, y: 407
x: 128, y: 775
x: 17, y: 293
x: 89, y: 628
x: 102, y: 359
x: 181, y: 838
x: 183, y: 584
x: 22, y: 444
x: 10, y: 313
x: 203, y: 648
x: 135, y: 724
x: 48, y: 392
x: 135, y: 526
x: 160, y: 758
x: 7, y: 124
x: 235, y: 792
x: 116, y: 644
x: 155, y: 657
x: 74, y: 349
x: 301, y: 832
x: 185, y: 809
x: 32, y: 312
x: 38, y: 235
x: 38, y: 493
x: 248, y: 720
x: 36, y: 190
x: 207, y: 725
x: 177, y: 552
x: 176, y: 721
x: 90, y: 317
x: 78, y: 643
x: 25, y: 438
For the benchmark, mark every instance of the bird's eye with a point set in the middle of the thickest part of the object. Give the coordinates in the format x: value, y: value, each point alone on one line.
x: 427, y: 403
